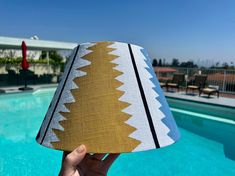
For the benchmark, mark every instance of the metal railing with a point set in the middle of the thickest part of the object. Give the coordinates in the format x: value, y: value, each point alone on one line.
x: 222, y: 79
x: 10, y: 75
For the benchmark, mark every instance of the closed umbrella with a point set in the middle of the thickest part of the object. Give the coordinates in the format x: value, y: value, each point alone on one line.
x: 24, y: 65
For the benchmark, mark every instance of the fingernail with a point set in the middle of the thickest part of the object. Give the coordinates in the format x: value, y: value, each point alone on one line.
x: 81, y: 148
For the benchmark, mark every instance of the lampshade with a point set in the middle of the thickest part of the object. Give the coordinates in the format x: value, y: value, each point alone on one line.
x: 108, y: 99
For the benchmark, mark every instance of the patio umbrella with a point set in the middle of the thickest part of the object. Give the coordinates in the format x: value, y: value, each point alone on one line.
x: 24, y: 65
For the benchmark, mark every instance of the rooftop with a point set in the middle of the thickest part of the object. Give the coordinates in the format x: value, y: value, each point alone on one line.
x: 164, y: 69
x: 32, y: 44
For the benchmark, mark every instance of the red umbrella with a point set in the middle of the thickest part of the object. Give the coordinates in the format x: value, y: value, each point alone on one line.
x: 24, y: 63
x: 25, y: 66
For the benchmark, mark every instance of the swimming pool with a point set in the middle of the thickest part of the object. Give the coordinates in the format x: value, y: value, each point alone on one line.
x: 207, y: 145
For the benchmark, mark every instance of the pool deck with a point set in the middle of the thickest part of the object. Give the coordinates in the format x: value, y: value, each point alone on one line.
x: 15, y: 89
x: 221, y: 101
x: 228, y: 100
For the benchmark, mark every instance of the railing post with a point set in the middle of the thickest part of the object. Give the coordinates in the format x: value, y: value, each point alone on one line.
x: 224, y: 80
x: 187, y: 77
x: 48, y: 61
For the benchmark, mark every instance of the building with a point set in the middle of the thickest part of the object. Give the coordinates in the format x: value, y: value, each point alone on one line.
x: 164, y: 73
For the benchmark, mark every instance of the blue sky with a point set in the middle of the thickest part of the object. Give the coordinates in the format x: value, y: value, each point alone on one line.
x: 184, y: 29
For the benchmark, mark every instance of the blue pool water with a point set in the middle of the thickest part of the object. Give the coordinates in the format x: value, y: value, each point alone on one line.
x: 206, y: 146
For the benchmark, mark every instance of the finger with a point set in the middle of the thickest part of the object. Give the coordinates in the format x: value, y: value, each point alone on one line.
x: 75, y: 157
x: 64, y: 155
x: 99, y: 156
x: 108, y: 161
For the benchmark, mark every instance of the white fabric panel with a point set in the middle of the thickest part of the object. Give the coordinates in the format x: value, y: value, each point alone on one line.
x: 161, y: 129
x: 54, y: 124
x: 52, y: 136
x: 66, y: 96
x: 133, y: 97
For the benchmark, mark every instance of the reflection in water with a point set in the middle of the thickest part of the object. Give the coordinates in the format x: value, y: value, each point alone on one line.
x: 21, y: 115
x: 221, y: 132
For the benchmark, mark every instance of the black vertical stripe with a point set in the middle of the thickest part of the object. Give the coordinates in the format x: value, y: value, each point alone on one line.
x: 60, y: 94
x: 144, y: 99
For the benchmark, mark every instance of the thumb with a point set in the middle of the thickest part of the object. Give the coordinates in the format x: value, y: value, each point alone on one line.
x: 72, y: 160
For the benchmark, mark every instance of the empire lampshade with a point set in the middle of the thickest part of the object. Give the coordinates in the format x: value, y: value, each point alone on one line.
x: 108, y: 99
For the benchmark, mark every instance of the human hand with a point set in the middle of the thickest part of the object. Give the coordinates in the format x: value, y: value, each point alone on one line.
x: 78, y: 163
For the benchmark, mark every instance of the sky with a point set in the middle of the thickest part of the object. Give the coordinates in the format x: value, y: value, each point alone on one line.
x: 198, y: 30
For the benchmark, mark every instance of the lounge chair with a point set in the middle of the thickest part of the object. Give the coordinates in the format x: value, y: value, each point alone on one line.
x: 209, y: 91
x: 1, y: 90
x: 12, y: 77
x: 198, y: 83
x: 177, y: 80
x: 29, y: 76
x: 162, y: 84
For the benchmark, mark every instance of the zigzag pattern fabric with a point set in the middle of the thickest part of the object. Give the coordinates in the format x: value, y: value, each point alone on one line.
x: 110, y: 100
